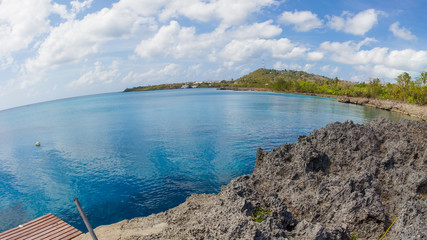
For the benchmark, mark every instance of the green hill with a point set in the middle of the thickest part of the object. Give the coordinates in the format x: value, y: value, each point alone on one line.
x: 406, y: 89
x: 293, y: 81
x: 270, y: 76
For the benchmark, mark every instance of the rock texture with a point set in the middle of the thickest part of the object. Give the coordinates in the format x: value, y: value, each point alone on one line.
x: 345, y: 181
x: 413, y: 110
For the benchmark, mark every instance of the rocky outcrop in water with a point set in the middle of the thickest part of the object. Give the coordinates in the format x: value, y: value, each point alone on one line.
x: 345, y: 181
x: 418, y: 111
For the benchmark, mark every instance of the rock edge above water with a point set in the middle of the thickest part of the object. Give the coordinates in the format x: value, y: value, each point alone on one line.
x: 413, y: 110
x: 343, y: 181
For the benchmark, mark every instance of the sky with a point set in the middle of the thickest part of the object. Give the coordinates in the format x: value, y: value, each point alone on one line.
x: 53, y: 49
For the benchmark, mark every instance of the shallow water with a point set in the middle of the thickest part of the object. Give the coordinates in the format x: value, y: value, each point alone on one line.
x: 133, y: 154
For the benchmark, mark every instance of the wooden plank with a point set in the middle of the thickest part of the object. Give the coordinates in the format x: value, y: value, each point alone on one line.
x: 45, y: 227
x: 31, y: 227
x: 27, y: 225
x: 67, y: 232
x: 47, y: 231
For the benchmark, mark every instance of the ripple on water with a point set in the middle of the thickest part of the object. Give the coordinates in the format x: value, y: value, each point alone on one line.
x: 134, y: 154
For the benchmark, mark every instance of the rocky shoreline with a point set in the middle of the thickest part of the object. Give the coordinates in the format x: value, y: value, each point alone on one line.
x: 394, y: 106
x: 412, y: 110
x: 344, y: 181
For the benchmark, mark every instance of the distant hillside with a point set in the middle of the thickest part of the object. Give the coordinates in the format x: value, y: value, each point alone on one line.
x: 406, y: 89
x: 165, y: 86
x: 270, y: 76
x: 261, y: 78
x: 293, y: 81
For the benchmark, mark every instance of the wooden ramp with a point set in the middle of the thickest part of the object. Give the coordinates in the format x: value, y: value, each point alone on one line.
x: 45, y: 227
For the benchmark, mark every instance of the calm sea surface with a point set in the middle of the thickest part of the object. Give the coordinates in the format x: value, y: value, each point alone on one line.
x: 133, y: 154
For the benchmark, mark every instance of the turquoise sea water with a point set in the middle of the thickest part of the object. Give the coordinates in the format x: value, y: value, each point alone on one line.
x: 133, y: 154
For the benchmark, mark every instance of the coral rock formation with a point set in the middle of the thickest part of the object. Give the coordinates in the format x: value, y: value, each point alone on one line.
x: 344, y: 181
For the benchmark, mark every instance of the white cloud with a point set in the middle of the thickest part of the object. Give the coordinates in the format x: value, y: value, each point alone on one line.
x: 242, y: 50
x: 172, y: 40
x: 78, y: 6
x: 134, y: 78
x: 379, y: 70
x: 315, y: 56
x: 380, y: 61
x: 330, y: 70
x: 24, y: 81
x: 171, y: 69
x: 22, y: 22
x: 20, y: 25
x: 229, y: 12
x: 195, y: 67
x: 183, y: 42
x: 303, y: 21
x: 75, y: 40
x: 349, y: 52
x: 5, y: 61
x: 142, y: 7
x: 294, y: 66
x: 358, y: 24
x: 62, y: 11
x: 256, y: 30
x: 179, y: 42
x: 100, y: 74
x: 152, y: 76
x: 407, y: 59
x: 401, y: 32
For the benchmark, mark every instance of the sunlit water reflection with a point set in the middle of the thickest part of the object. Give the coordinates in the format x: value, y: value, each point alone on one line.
x: 133, y: 154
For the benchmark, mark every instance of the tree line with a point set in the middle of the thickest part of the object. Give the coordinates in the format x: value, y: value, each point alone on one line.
x: 406, y: 88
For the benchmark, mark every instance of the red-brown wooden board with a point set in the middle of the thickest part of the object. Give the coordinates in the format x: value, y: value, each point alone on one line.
x: 45, y: 227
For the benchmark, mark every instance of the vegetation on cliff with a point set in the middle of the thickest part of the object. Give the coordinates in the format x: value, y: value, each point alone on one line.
x: 213, y: 84
x: 405, y: 89
x: 154, y: 87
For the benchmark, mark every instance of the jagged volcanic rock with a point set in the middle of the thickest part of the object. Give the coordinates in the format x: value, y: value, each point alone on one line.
x: 345, y: 180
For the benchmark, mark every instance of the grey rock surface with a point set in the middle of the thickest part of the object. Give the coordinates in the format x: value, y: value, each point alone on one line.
x: 340, y: 182
x: 414, y: 110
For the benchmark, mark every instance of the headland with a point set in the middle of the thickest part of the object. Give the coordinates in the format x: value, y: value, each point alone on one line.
x: 344, y: 181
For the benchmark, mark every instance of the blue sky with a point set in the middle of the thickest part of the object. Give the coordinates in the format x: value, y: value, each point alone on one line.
x: 58, y: 49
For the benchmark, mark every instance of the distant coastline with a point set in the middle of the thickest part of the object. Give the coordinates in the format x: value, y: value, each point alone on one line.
x: 407, y: 98
x: 413, y: 110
